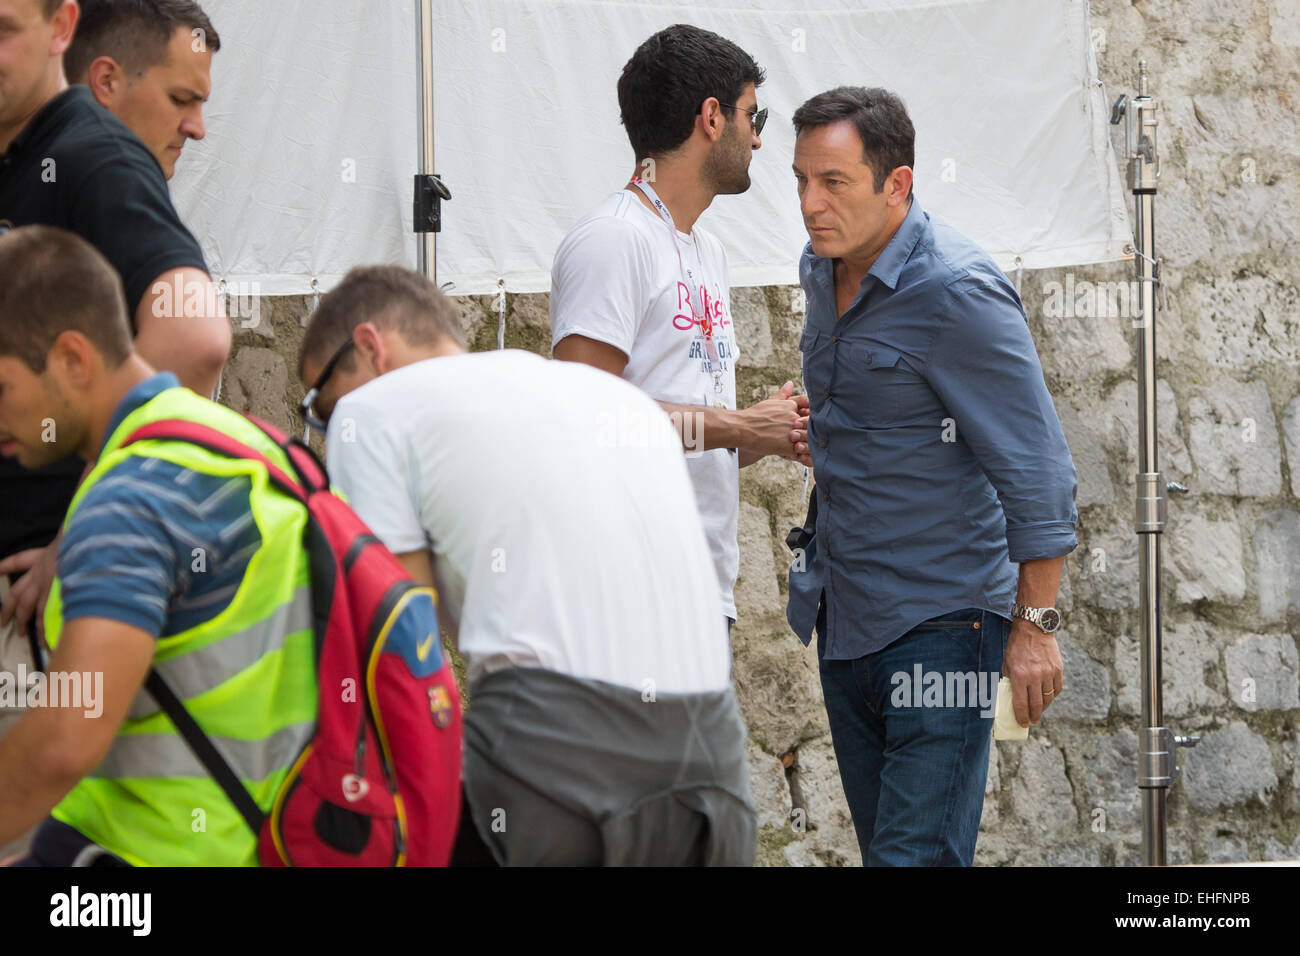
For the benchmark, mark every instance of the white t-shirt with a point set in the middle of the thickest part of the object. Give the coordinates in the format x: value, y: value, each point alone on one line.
x: 617, y: 279
x: 557, y: 505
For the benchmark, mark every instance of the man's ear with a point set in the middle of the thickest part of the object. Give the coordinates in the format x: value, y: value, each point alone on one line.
x: 64, y: 21
x: 73, y: 360
x: 106, y: 80
x: 371, y: 347
x: 711, y: 114
x: 899, y: 185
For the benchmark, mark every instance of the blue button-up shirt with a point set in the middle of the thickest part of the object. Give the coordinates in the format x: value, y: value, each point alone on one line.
x: 938, y: 454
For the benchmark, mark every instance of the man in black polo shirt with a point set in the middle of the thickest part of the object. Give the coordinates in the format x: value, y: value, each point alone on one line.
x: 149, y: 63
x: 65, y: 161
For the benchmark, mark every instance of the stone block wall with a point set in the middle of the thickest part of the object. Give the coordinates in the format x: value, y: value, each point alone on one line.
x: 1227, y: 74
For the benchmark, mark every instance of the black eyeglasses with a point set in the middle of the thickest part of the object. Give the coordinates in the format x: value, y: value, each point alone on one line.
x: 309, y: 416
x: 757, y: 119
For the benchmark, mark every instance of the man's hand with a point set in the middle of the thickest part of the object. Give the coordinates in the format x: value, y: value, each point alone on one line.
x: 776, y: 426
x: 798, y: 442
x: 1033, y: 662
x: 770, y: 426
x: 29, y: 593
x: 799, y: 437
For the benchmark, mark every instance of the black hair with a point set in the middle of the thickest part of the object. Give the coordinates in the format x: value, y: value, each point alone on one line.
x: 879, y: 116
x: 668, y: 79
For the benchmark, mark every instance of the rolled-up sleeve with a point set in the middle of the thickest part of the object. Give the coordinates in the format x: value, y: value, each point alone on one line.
x: 985, y: 369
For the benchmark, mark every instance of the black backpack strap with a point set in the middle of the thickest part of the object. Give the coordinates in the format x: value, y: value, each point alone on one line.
x: 34, y: 642
x: 206, y: 751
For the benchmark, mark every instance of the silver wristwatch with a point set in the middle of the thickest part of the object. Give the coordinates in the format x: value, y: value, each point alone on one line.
x: 1048, y: 619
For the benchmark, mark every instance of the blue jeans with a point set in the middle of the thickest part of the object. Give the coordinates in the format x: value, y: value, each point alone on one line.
x: 913, y: 749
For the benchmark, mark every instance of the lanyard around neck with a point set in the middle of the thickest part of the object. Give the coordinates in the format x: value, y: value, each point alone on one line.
x: 655, y: 201
x: 704, y: 319
x: 706, y: 325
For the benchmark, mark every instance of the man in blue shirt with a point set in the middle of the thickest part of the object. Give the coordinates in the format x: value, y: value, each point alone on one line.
x: 940, y: 461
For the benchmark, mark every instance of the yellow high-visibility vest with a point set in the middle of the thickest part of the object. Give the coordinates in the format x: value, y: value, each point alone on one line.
x: 247, y: 675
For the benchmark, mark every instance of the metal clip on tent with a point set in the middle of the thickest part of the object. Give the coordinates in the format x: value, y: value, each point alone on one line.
x: 1156, y: 767
x: 501, y: 312
x: 430, y: 191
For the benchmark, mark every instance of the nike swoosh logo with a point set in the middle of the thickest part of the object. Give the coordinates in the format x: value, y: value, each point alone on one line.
x: 422, y: 649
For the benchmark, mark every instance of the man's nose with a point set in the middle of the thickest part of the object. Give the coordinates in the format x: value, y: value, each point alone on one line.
x: 193, y: 126
x: 811, y: 200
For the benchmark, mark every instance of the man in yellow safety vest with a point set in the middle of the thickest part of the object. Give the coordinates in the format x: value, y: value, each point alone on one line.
x: 174, y: 558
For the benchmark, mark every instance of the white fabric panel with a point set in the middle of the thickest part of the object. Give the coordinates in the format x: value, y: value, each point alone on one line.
x: 1012, y: 144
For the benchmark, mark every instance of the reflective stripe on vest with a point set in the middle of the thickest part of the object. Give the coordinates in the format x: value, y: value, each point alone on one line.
x: 213, y: 664
x: 167, y: 755
x: 247, y: 676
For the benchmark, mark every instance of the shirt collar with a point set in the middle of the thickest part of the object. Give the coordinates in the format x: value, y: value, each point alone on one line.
x: 143, y: 392
x: 889, y: 264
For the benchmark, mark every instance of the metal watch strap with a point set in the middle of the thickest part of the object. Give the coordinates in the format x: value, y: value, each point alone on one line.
x: 1026, y: 613
x: 1034, y: 615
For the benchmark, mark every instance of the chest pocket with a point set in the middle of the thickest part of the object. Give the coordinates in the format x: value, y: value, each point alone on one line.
x: 808, y: 341
x: 815, y: 367
x: 869, y: 384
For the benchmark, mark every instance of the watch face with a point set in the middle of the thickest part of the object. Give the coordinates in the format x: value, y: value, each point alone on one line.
x: 1050, y: 620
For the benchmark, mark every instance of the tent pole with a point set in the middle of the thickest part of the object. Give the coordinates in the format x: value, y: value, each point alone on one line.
x: 429, y: 189
x: 1156, y: 744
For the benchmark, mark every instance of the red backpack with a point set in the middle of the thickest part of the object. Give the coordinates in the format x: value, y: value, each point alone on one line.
x: 379, y: 782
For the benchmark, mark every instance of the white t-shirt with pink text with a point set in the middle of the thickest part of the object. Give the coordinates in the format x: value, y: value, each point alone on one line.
x: 624, y: 277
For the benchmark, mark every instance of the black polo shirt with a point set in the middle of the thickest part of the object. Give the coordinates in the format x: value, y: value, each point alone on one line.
x: 76, y: 166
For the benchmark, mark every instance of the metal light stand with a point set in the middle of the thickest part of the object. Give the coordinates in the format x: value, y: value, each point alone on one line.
x: 1156, y: 766
x: 430, y: 191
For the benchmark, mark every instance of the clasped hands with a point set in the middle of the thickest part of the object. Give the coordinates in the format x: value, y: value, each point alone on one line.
x: 779, y: 426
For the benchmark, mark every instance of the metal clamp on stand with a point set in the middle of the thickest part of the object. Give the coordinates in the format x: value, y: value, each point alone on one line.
x: 1151, y: 504
x: 1191, y: 740
x: 1156, y: 759
x: 430, y: 193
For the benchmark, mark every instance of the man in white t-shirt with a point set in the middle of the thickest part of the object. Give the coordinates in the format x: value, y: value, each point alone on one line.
x: 550, y: 506
x: 641, y: 291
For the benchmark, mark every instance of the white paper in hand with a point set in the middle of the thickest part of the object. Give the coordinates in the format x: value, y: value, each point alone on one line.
x: 1005, y: 725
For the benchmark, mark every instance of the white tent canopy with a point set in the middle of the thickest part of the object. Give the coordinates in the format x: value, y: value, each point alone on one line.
x: 312, y: 130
